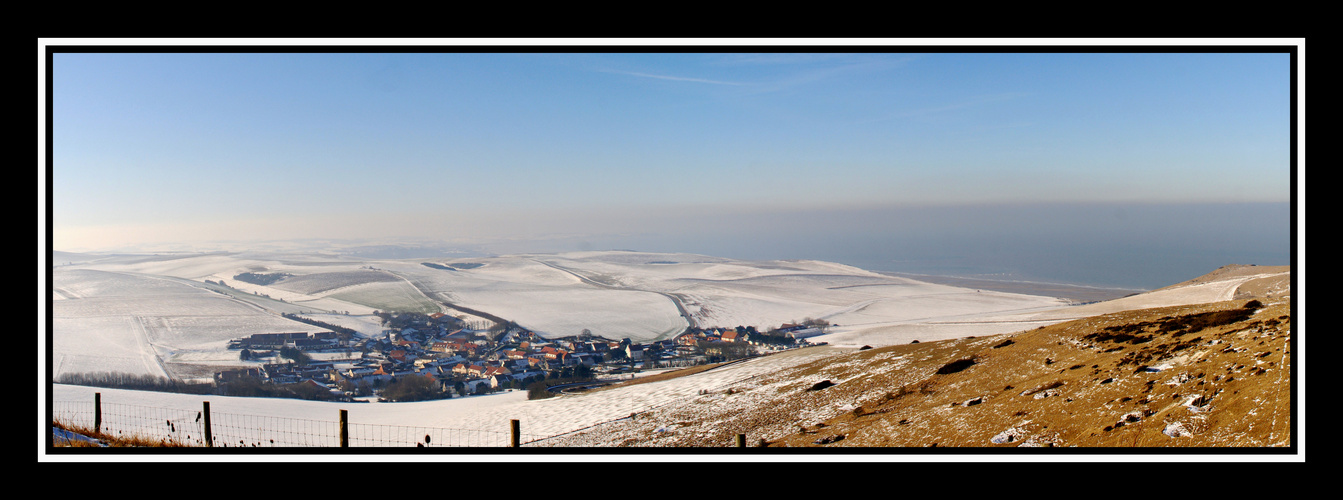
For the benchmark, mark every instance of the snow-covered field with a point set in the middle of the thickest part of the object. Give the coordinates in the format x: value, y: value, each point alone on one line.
x: 157, y: 314
x: 488, y: 414
x: 141, y: 314
x: 990, y: 323
x: 114, y: 321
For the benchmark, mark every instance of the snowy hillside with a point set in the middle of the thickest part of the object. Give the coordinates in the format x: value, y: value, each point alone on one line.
x: 937, y: 315
x: 173, y: 314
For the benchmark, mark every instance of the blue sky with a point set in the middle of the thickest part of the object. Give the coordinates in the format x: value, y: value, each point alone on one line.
x: 185, y: 148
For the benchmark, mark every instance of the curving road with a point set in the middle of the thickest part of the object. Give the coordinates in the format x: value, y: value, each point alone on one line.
x: 676, y: 300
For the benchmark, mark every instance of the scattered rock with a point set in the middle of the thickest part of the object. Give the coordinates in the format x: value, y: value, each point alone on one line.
x: 1176, y: 429
x: 1008, y: 436
x: 1044, y: 391
x: 829, y: 439
x: 1178, y: 379
x: 1199, y: 401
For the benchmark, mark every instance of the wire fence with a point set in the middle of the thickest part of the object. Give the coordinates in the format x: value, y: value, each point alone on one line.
x: 204, y: 428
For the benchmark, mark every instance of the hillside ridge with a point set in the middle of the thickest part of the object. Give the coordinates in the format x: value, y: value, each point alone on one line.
x: 1215, y: 374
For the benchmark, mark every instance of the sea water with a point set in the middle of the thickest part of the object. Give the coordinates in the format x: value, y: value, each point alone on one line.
x: 1124, y: 246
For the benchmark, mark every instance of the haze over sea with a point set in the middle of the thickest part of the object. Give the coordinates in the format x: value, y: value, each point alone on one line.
x: 1132, y: 246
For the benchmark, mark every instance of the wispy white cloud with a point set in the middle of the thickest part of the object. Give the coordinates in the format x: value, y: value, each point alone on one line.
x: 674, y: 78
x: 799, y: 70
x: 789, y: 70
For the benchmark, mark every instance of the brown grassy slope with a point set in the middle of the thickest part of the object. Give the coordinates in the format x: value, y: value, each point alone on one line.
x: 1205, y: 375
x: 1210, y: 375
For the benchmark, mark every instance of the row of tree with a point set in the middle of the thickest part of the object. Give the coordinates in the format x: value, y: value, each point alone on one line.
x: 261, y: 279
x: 342, y: 332
x: 403, y: 320
x: 253, y: 387
x: 139, y: 382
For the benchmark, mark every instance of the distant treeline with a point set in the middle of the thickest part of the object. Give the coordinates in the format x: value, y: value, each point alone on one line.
x: 343, y: 332
x: 453, y: 267
x: 403, y: 320
x: 540, y: 388
x: 140, y: 382
x: 243, y: 386
x: 261, y: 279
x: 253, y: 387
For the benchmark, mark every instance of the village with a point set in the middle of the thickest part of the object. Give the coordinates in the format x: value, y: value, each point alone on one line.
x: 442, y: 356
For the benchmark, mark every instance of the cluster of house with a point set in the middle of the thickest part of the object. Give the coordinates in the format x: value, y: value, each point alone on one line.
x: 788, y: 333
x: 472, y: 361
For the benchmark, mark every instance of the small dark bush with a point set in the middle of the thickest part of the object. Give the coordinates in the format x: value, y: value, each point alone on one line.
x: 820, y: 385
x: 955, y: 366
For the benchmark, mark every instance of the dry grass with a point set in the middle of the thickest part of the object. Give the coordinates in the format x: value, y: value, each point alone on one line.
x: 109, y: 440
x: 1202, y: 376
x: 1196, y: 376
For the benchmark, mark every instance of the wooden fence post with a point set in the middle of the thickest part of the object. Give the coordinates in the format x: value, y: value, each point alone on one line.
x: 97, y: 412
x: 514, y: 437
x: 344, y: 429
x: 209, y: 439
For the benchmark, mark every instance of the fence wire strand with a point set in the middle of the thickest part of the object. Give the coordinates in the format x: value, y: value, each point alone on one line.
x: 186, y: 427
x: 230, y: 430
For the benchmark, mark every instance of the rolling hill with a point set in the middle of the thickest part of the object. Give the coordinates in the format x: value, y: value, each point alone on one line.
x: 1205, y: 364
x: 1209, y: 375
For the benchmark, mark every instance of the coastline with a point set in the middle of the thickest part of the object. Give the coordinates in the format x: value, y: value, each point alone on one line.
x: 1075, y: 293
